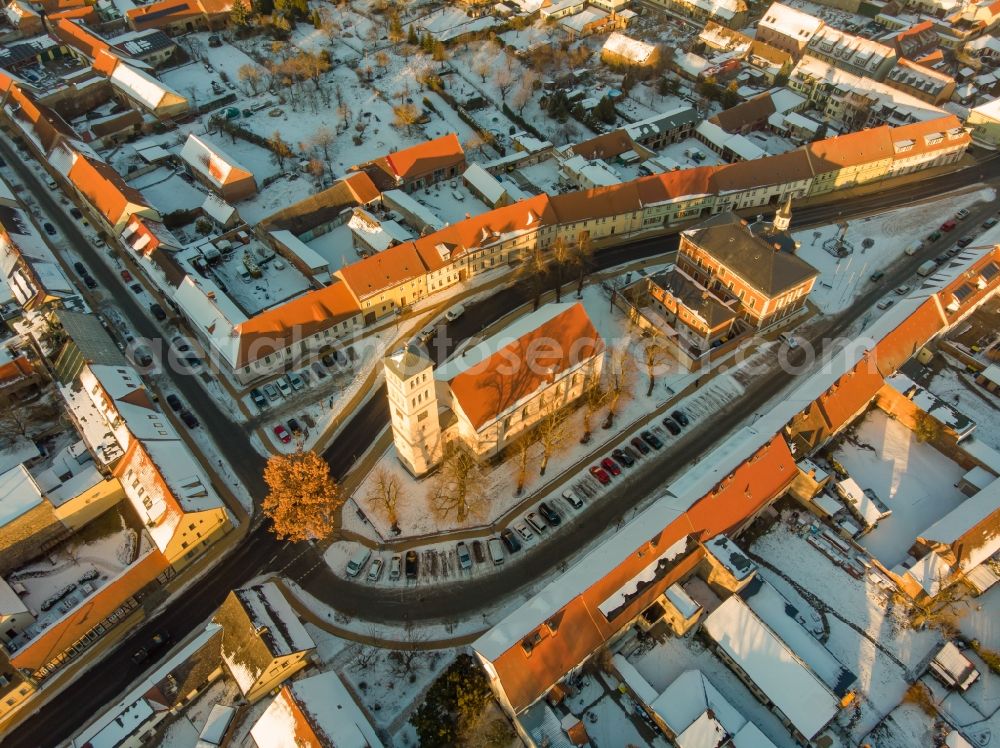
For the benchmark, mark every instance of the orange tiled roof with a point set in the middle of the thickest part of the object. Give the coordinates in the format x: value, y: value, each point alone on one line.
x: 46, y: 122
x: 82, y: 13
x: 384, y: 270
x: 855, y: 148
x: 78, y: 37
x: 103, y: 187
x: 60, y: 635
x: 294, y: 320
x: 490, y: 388
x: 362, y: 187
x: 483, y: 229
x: 16, y: 369
x: 105, y: 62
x: 423, y: 158
x: 918, y: 134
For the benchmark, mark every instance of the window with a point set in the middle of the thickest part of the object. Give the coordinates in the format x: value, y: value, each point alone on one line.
x: 422, y: 416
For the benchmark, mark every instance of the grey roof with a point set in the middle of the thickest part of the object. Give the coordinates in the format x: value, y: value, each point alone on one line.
x: 664, y: 122
x: 92, y: 340
x: 731, y: 242
x: 408, y: 361
x: 694, y: 296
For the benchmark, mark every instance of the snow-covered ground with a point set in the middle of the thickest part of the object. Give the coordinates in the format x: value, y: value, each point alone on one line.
x: 869, y: 633
x: 917, y: 482
x: 843, y: 279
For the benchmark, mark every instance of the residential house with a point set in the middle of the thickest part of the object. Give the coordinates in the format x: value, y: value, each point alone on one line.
x: 865, y: 58
x: 177, y: 17
x: 753, y: 263
x: 660, y: 130
x: 314, y: 711
x: 787, y: 28
x: 924, y: 83
x: 418, y: 166
x: 985, y: 123
x: 624, y: 51
x: 731, y: 13
x: 146, y: 93
x: 101, y: 187
x: 487, y: 398
x: 133, y: 722
x: 263, y: 641
x: 486, y: 187
x: 218, y: 171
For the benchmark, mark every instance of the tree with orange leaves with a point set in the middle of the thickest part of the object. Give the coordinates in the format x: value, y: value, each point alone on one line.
x: 303, y: 501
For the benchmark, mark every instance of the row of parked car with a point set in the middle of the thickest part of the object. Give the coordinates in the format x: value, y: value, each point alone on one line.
x: 628, y: 455
x: 294, y: 381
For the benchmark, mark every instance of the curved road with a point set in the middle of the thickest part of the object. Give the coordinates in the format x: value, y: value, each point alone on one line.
x: 259, y: 552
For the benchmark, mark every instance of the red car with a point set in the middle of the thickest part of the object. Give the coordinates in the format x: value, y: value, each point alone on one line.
x: 126, y: 276
x: 948, y: 225
x: 601, y: 474
x: 611, y: 466
x: 282, y: 433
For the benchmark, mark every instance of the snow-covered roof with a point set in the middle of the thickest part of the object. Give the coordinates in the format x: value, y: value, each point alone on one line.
x: 407, y: 203
x: 141, y: 86
x: 119, y: 722
x: 975, y: 510
x: 270, y: 612
x: 633, y: 586
x: 209, y: 309
x: 10, y: 602
x: 931, y: 404
x: 790, y: 22
x: 853, y: 494
x: 579, y: 22
x: 591, y: 172
x: 777, y: 613
x: 633, y: 50
x: 989, y: 110
x: 484, y: 183
x: 19, y: 494
x: 330, y: 712
x: 213, y: 163
x: 680, y: 599
x: 217, y: 209
x: 731, y: 556
x: 931, y: 572
x: 979, y: 477
x: 306, y: 254
x: 698, y: 714
x: 783, y: 678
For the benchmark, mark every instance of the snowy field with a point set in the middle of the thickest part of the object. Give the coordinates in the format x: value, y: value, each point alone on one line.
x: 915, y: 480
x: 869, y: 633
x: 843, y: 279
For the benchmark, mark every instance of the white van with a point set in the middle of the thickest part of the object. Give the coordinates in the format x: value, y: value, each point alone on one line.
x: 927, y: 268
x: 496, y: 551
x: 358, y: 561
x: 454, y: 313
x: 914, y: 247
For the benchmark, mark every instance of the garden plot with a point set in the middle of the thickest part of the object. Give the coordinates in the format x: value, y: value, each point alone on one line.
x: 915, y: 480
x: 842, y: 279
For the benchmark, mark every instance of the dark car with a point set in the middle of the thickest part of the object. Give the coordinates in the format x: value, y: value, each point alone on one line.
x: 550, y: 514
x: 80, y: 268
x: 681, y: 417
x: 671, y: 425
x: 257, y: 398
x: 601, y: 474
x: 651, y: 439
x: 156, y: 642
x: 510, y: 540
x: 293, y: 426
x: 136, y: 288
x: 411, y: 564
x: 89, y: 282
x: 934, y: 236
x: 611, y: 466
x: 477, y: 551
x: 941, y: 259
x: 192, y: 361
x: 876, y: 276
x: 328, y: 361
x: 189, y: 420
x: 965, y: 241
x: 622, y: 457
x: 157, y: 311
x: 640, y: 445
x: 174, y: 402
x: 49, y: 228
x: 75, y: 212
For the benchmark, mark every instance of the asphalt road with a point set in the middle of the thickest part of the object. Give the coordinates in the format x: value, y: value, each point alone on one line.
x: 260, y: 553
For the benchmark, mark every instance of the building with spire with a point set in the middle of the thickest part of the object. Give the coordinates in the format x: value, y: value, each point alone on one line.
x: 491, y: 393
x: 752, y: 267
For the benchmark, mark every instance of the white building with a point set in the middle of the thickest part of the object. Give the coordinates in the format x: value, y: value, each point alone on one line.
x: 486, y: 396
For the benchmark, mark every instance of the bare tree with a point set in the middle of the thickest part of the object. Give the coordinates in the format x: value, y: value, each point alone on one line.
x: 323, y: 140
x: 280, y: 149
x: 561, y: 257
x: 456, y: 489
x: 504, y: 80
x: 581, y: 254
x: 532, y: 272
x: 382, y: 60
x: 618, y: 371
x: 404, y: 658
x: 407, y: 115
x: 523, y: 455
x: 594, y: 399
x: 251, y: 76
x: 524, y: 91
x: 654, y: 355
x: 482, y: 67
x: 552, y: 434
x: 384, y: 492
